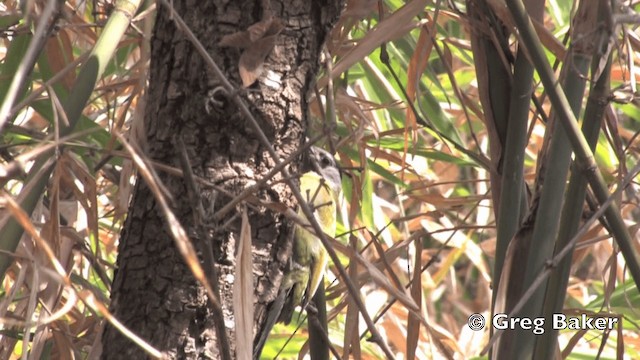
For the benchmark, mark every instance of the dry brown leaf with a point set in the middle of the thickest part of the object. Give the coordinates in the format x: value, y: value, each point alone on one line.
x: 417, y: 66
x: 257, y: 41
x: 351, y: 339
x: 243, y: 293
x: 413, y: 323
x: 359, y: 8
x: 59, y: 53
x: 65, y: 350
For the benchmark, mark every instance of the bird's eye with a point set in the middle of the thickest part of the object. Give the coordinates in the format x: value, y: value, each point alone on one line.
x: 325, y: 161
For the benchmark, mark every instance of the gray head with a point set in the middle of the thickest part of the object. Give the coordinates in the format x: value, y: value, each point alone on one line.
x: 323, y: 163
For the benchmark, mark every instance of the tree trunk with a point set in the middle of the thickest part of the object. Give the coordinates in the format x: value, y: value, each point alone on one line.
x: 154, y: 294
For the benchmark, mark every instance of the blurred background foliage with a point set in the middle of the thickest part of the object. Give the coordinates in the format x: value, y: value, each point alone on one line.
x: 403, y: 114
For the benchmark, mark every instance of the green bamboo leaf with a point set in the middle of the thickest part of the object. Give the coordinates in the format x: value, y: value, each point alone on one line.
x: 366, y: 210
x: 7, y: 21
x: 431, y: 110
x: 8, y: 67
x: 623, y: 300
x: 386, y: 174
x: 397, y: 144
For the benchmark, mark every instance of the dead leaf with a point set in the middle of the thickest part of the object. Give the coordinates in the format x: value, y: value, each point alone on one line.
x: 257, y: 41
x: 243, y: 292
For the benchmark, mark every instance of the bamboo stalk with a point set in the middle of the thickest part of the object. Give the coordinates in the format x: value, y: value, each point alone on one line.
x: 571, y: 217
x: 585, y: 162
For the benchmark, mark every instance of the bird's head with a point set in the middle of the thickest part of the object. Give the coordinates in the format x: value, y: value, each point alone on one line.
x: 323, y: 163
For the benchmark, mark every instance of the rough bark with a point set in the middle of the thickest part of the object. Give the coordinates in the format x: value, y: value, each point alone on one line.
x: 154, y: 293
